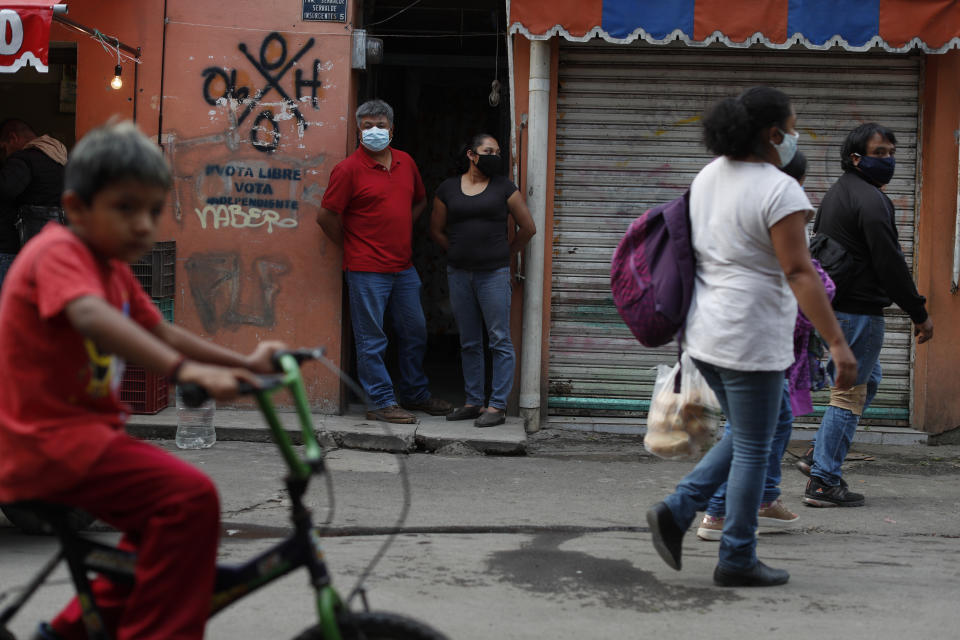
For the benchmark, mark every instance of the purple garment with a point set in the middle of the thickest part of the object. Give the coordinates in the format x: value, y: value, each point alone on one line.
x: 798, y: 374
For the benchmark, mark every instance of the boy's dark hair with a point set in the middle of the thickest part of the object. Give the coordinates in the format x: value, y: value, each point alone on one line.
x: 462, y: 163
x: 732, y: 127
x: 111, y: 153
x: 857, y: 140
x: 796, y: 168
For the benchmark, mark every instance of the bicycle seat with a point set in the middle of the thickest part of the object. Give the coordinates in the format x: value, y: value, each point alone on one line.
x: 37, y: 516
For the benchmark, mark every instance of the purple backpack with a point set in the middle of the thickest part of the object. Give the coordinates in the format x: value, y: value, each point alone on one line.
x: 652, y: 272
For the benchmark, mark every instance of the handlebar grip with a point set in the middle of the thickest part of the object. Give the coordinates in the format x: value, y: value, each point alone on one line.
x: 194, y: 395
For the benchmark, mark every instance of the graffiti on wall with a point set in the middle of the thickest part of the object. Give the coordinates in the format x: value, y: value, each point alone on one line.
x: 274, y: 62
x: 222, y: 301
x: 254, y: 194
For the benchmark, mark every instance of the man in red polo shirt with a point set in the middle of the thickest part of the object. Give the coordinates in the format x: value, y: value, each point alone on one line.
x: 372, y: 200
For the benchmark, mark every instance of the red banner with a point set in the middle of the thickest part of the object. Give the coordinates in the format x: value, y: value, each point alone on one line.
x: 25, y: 34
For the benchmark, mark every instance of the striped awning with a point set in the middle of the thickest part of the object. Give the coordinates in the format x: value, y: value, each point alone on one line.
x: 932, y: 26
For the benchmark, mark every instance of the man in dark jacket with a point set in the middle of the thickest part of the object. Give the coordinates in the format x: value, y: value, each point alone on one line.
x: 31, y: 182
x: 856, y: 242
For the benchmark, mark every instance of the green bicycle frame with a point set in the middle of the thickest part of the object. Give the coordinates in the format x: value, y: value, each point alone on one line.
x: 301, y: 469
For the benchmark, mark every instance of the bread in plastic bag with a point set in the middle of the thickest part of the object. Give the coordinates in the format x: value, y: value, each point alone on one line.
x: 681, y: 425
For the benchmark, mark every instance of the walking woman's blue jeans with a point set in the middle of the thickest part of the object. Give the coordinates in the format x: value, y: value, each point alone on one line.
x: 372, y: 296
x: 481, y: 298
x: 751, y: 401
x: 778, y: 446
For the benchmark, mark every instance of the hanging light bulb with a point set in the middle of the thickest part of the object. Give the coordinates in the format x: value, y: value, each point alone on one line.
x: 116, y: 83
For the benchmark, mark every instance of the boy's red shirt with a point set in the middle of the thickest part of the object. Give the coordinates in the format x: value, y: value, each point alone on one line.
x: 59, y: 402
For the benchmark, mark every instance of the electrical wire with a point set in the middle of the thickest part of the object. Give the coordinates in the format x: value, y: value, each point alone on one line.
x: 108, y: 47
x: 357, y: 588
x: 409, y: 6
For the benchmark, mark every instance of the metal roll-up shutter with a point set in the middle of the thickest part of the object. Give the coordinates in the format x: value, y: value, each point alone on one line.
x: 629, y: 137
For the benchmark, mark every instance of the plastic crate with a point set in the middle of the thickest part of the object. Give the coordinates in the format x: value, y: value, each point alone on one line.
x: 165, y: 305
x: 143, y: 391
x: 157, y: 270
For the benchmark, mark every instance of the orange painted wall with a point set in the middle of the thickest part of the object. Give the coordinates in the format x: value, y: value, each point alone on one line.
x: 936, y: 403
x: 246, y: 271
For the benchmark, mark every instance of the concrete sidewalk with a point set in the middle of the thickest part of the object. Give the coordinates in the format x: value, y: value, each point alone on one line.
x: 352, y: 431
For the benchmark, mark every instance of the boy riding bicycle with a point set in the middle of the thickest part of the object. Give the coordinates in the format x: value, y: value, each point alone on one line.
x: 71, y: 312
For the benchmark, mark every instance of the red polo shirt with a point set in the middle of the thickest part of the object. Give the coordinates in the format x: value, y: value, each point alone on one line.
x: 375, y: 204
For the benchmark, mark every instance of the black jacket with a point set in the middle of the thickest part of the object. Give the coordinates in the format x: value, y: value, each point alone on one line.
x: 861, y: 218
x: 28, y: 177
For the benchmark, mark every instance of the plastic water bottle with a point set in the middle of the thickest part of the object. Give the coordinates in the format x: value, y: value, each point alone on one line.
x: 195, y: 429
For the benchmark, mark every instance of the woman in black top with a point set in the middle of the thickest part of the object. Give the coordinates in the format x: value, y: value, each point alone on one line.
x: 470, y: 221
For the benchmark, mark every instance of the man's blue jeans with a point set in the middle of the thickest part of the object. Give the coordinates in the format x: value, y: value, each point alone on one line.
x: 481, y: 298
x: 751, y: 401
x: 781, y: 438
x: 864, y: 334
x: 372, y: 296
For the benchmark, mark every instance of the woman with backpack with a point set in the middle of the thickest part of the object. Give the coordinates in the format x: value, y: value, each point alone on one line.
x: 747, y: 221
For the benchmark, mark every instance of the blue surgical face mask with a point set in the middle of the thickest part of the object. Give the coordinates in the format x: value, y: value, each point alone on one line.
x: 879, y: 170
x: 787, y: 148
x: 375, y: 138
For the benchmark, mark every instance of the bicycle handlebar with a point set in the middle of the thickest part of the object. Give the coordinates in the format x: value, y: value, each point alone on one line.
x: 194, y: 395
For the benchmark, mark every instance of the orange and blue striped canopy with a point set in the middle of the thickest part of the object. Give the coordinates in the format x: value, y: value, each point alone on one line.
x: 932, y: 26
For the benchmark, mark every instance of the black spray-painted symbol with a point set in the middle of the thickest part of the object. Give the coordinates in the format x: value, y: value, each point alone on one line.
x: 273, y: 71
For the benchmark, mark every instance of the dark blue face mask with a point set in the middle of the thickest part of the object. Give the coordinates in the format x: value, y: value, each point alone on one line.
x: 878, y: 170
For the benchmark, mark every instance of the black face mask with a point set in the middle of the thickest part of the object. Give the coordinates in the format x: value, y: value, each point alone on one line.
x: 879, y: 170
x: 490, y: 165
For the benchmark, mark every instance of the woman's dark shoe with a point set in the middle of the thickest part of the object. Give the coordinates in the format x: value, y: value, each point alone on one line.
x: 464, y: 413
x: 667, y: 536
x: 490, y: 419
x: 759, y: 576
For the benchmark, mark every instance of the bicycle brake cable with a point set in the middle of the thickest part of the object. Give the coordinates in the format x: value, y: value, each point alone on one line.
x: 404, y: 482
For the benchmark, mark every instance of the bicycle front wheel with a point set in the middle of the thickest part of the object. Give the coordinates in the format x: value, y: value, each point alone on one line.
x: 376, y: 625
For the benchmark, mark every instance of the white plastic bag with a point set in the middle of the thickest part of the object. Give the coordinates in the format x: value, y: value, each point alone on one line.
x: 681, y: 425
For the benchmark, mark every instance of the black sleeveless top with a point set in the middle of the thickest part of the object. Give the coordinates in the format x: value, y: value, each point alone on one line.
x: 477, y: 225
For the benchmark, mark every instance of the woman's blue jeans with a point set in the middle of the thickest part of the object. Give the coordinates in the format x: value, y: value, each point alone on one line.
x: 481, y: 298
x: 751, y: 401
x: 372, y: 296
x: 771, y: 484
x: 864, y: 334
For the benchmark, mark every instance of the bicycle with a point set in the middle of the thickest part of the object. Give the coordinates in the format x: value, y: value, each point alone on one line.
x: 301, y: 549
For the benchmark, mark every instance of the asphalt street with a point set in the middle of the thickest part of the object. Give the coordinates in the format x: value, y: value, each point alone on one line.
x: 554, y: 545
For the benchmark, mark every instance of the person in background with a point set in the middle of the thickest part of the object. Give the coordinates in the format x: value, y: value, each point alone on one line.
x: 31, y: 176
x: 71, y: 313
x: 747, y: 229
x: 471, y: 215
x: 372, y: 199
x: 856, y: 219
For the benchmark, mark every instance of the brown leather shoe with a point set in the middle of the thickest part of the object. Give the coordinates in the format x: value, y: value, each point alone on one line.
x: 433, y: 406
x: 393, y: 414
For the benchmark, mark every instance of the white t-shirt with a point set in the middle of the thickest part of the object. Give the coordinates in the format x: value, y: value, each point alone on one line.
x: 743, y: 311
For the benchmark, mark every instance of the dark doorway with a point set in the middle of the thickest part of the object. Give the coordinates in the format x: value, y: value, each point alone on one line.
x: 441, y: 58
x: 45, y: 101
